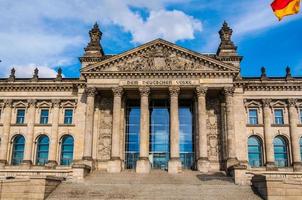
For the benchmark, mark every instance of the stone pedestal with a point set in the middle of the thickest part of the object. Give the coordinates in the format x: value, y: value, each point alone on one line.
x: 51, y: 164
x: 79, y: 171
x: 174, y: 166
x: 231, y: 162
x: 270, y: 166
x: 114, y: 166
x: 143, y: 166
x: 297, y: 166
x: 203, y: 165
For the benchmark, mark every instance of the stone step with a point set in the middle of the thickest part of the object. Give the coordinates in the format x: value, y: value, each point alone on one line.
x: 156, y: 185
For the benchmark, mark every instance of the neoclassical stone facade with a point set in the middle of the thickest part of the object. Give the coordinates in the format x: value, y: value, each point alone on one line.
x: 155, y: 106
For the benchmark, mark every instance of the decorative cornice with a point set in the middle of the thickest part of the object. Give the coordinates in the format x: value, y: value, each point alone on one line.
x: 201, y: 91
x: 144, y: 91
x: 117, y: 91
x: 174, y: 91
x: 45, y: 86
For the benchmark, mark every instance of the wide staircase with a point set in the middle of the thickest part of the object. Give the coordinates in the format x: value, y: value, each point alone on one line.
x: 156, y: 185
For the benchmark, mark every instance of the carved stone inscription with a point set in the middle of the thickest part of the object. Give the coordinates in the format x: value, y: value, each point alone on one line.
x: 159, y: 82
x: 104, y: 138
x: 214, y: 129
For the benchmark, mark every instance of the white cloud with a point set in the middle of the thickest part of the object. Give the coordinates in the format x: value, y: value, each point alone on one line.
x: 27, y: 71
x: 42, y: 32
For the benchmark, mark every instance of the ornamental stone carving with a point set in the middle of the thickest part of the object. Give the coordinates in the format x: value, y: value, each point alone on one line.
x: 56, y: 103
x: 292, y: 102
x: 266, y: 102
x: 201, y: 91
x: 144, y: 91
x: 174, y: 91
x: 229, y: 91
x: 91, y: 91
x: 117, y: 91
x: 159, y: 58
x: 7, y: 103
x: 32, y: 102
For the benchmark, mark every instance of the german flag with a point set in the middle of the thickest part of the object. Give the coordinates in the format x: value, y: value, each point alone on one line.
x: 284, y: 8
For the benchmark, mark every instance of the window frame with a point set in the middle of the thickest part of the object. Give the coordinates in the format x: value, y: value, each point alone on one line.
x: 43, y: 117
x: 260, y: 144
x: 249, y: 116
x: 300, y: 115
x: 18, y: 117
x: 62, y: 152
x: 287, y: 153
x: 41, y: 151
x: 72, y: 116
x: 276, y: 117
x: 14, y: 151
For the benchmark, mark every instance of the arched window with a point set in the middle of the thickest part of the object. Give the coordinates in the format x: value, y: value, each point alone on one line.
x: 280, y: 152
x: 301, y: 147
x: 255, y: 151
x: 18, y: 150
x: 42, y: 150
x: 66, y: 150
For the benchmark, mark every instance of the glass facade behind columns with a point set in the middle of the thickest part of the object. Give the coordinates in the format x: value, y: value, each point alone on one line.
x: 159, y: 134
x: 132, y: 134
x: 186, y: 144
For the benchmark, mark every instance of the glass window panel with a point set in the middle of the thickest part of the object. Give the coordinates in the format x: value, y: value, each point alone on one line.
x: 280, y: 152
x: 20, y: 116
x: 68, y: 116
x: 67, y: 147
x: 44, y: 116
x: 279, y: 116
x: 254, y: 151
x: 18, y: 150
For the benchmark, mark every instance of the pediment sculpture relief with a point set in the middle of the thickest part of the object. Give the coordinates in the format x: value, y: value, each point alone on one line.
x: 159, y: 59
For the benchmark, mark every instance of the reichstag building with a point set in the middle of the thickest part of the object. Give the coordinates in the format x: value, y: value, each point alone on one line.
x: 157, y: 106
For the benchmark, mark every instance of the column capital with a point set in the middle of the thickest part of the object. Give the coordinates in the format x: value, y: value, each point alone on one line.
x: 117, y: 91
x: 91, y: 91
x: 174, y: 91
x: 31, y: 102
x: 292, y: 102
x: 56, y: 102
x: 7, y: 103
x: 201, y: 91
x: 228, y: 91
x: 266, y: 102
x: 144, y: 91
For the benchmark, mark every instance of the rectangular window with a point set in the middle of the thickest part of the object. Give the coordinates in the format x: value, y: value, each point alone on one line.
x: 20, y: 116
x: 44, y: 116
x: 68, y: 116
x: 253, y: 116
x: 301, y: 115
x: 279, y: 116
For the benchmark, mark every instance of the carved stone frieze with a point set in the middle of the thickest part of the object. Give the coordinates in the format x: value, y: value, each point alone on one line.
x: 117, y: 91
x: 91, y: 91
x: 266, y: 102
x: 292, y: 102
x: 201, y: 91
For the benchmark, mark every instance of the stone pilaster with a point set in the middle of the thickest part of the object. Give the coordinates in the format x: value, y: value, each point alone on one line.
x: 90, y: 93
x: 6, y: 131
x: 174, y: 165
x: 203, y: 161
x: 269, y: 148
x: 115, y: 164
x: 231, y: 140
x: 31, y: 112
x: 143, y: 164
x: 53, y: 149
x: 294, y: 134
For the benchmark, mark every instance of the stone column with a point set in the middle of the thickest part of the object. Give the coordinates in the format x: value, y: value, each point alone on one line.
x: 53, y: 149
x: 90, y: 93
x: 269, y: 148
x: 203, y: 161
x: 231, y: 140
x: 115, y: 164
x: 294, y: 134
x: 29, y: 139
x: 143, y: 164
x: 174, y: 165
x: 7, y: 114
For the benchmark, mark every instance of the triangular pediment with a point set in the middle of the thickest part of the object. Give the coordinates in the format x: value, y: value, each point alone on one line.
x: 159, y: 55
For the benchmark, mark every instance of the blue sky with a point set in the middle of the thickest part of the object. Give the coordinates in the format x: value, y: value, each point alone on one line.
x: 53, y: 33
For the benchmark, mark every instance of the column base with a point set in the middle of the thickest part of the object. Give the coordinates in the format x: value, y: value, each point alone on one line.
x: 297, y: 166
x: 143, y: 166
x: 114, y: 166
x: 2, y: 163
x: 174, y: 166
x: 203, y: 165
x: 231, y: 162
x: 51, y: 164
x: 270, y: 166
